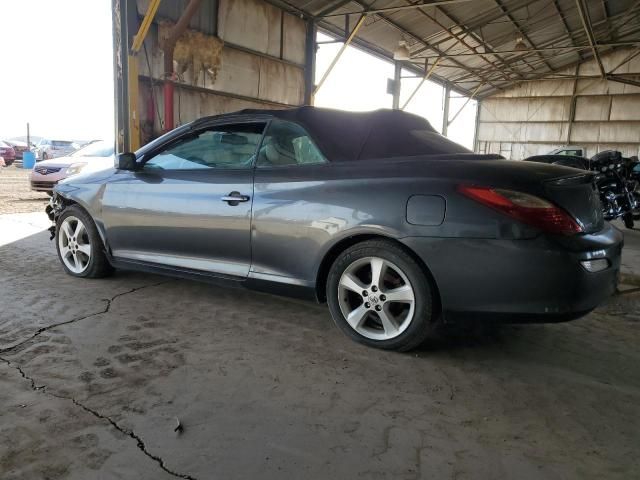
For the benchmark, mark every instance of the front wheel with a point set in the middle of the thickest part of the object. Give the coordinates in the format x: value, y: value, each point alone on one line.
x: 628, y: 220
x: 379, y: 296
x: 79, y: 245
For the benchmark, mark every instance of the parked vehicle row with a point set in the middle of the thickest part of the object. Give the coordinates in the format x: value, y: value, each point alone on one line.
x: 18, y: 147
x: 46, y: 149
x: 394, y: 226
x: 7, y: 153
x: 95, y: 156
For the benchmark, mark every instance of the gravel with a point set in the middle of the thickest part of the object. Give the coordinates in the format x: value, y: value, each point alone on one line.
x: 15, y: 193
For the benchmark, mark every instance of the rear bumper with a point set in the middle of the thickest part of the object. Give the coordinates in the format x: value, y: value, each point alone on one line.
x: 538, y: 280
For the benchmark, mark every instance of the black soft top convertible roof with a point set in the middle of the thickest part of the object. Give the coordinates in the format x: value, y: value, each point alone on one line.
x: 344, y: 136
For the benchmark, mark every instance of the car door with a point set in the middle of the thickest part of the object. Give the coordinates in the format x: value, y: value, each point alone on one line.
x: 189, y: 206
x: 291, y: 212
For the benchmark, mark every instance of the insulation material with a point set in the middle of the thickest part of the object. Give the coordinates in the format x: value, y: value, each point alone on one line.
x: 252, y: 24
x: 626, y: 108
x: 200, y: 53
x: 538, y: 89
x: 593, y: 108
x: 534, y: 116
x: 295, y: 31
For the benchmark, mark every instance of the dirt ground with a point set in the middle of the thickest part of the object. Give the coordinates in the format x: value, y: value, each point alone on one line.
x: 15, y: 195
x: 96, y: 374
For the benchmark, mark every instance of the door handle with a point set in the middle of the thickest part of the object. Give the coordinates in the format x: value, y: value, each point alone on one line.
x: 234, y: 198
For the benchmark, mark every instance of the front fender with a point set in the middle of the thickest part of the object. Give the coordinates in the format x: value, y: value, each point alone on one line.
x: 88, y: 196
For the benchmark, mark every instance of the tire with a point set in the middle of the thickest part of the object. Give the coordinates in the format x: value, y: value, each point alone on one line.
x: 71, y: 244
x: 410, y: 315
x: 628, y: 220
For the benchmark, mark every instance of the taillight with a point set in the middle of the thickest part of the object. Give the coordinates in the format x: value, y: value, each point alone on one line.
x: 525, y: 208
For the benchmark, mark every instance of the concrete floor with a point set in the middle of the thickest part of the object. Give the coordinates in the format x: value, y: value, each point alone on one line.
x: 94, y: 374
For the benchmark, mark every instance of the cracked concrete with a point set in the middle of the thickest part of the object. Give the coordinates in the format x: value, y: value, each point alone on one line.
x: 43, y: 388
x: 95, y: 373
x: 108, y: 302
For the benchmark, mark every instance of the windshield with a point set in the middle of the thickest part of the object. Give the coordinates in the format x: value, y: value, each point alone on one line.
x: 95, y: 149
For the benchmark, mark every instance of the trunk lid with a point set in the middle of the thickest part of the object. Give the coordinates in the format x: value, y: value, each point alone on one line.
x: 572, y: 189
x: 579, y: 196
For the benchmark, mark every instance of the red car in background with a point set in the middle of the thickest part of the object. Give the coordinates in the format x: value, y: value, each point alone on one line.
x: 7, y: 152
x: 18, y: 146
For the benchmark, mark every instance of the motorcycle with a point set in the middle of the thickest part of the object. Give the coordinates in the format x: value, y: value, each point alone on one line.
x: 633, y: 168
x: 618, y: 181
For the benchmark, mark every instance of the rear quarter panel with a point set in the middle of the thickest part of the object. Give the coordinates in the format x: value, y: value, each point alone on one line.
x: 301, y: 212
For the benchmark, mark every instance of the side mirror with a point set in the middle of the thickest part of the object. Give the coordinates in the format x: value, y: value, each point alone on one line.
x: 126, y: 161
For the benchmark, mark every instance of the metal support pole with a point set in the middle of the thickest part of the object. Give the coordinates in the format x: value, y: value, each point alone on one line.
x: 132, y: 74
x: 396, y: 85
x: 125, y: 22
x: 465, y: 103
x: 134, y: 118
x: 340, y: 52
x: 138, y: 40
x: 310, y: 62
x: 445, y: 110
x: 434, y: 3
x: 572, y: 107
x: 476, y: 144
x: 425, y: 78
x: 583, y: 11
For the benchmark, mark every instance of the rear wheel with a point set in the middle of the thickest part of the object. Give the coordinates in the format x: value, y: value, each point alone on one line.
x: 379, y: 296
x: 79, y: 245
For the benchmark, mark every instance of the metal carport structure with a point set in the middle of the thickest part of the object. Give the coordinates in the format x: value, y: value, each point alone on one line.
x: 477, y: 48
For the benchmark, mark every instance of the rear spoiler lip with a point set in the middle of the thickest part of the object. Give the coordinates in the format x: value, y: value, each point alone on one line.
x: 577, y: 179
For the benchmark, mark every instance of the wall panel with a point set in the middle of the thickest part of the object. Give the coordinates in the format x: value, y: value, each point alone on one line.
x: 534, y: 117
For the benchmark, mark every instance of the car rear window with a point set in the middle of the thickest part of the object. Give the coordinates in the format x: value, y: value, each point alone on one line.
x: 409, y: 142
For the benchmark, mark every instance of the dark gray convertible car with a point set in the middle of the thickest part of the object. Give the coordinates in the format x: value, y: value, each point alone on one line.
x: 391, y: 224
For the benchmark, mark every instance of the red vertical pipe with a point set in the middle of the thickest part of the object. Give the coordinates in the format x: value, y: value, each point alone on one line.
x: 178, y: 29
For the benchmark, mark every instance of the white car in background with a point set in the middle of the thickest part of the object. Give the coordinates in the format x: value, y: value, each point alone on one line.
x: 96, y: 156
x: 570, y: 150
x: 46, y: 149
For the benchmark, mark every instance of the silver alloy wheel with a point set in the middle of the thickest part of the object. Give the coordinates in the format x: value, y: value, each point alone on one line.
x: 74, y: 244
x: 376, y: 298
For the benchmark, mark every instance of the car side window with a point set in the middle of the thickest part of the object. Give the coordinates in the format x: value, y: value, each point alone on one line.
x: 286, y: 143
x: 221, y: 147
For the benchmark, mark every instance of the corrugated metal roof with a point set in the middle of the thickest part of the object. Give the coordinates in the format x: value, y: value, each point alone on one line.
x: 477, y: 38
